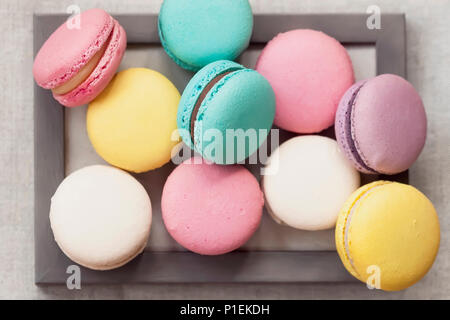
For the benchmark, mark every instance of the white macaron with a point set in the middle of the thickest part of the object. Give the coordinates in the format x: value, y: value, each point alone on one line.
x: 307, y: 180
x: 101, y: 217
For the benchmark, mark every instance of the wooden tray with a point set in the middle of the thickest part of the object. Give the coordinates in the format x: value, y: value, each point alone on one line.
x: 177, y: 266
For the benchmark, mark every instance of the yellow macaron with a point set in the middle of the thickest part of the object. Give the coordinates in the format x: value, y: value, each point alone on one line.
x: 387, y: 235
x: 131, y: 124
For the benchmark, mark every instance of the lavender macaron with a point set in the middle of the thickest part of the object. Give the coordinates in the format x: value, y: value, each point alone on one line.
x: 381, y: 125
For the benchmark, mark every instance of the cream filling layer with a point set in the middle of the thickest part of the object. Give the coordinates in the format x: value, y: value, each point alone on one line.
x: 83, y: 74
x: 347, y: 225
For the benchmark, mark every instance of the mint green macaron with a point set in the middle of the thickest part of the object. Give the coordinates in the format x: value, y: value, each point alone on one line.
x: 197, y: 32
x: 226, y: 112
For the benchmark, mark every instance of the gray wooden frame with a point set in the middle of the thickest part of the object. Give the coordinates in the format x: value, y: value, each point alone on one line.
x: 184, y: 267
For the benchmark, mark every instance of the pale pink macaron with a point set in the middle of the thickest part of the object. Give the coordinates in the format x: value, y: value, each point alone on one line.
x: 80, y: 58
x: 211, y: 209
x: 309, y: 72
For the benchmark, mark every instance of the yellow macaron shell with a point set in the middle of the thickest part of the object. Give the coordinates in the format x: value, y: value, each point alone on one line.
x: 342, y: 221
x: 131, y: 123
x: 393, y: 228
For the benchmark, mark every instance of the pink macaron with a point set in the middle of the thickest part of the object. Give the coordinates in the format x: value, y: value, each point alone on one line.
x: 80, y: 58
x: 211, y: 209
x: 309, y: 72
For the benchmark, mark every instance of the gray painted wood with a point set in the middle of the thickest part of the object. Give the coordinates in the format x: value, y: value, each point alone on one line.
x: 48, y: 162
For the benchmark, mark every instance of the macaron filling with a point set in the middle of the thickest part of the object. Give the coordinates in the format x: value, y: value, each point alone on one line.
x: 348, y: 222
x: 203, y: 95
x: 349, y: 135
x: 84, y: 72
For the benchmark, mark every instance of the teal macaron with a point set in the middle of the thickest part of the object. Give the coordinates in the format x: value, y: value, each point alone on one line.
x: 195, y: 33
x: 226, y: 112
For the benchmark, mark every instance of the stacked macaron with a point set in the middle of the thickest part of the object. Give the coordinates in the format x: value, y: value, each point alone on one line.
x: 303, y: 83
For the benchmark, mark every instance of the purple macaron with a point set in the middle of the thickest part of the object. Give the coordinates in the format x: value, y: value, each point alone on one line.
x: 381, y: 125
